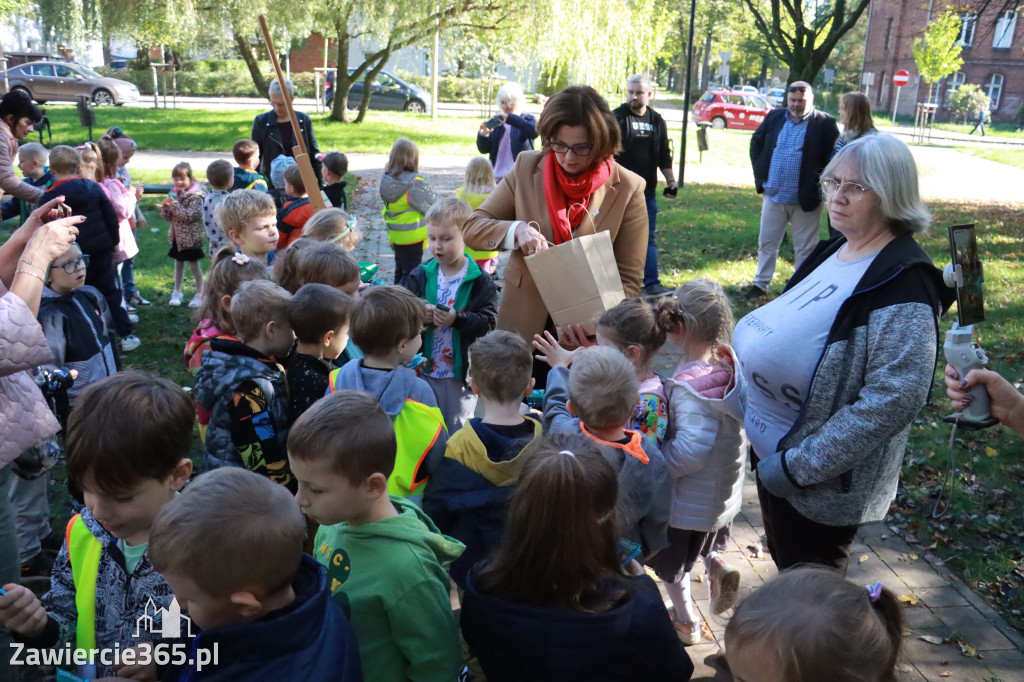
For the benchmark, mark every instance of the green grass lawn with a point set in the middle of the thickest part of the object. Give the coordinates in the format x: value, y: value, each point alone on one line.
x: 1011, y: 157
x: 181, y: 129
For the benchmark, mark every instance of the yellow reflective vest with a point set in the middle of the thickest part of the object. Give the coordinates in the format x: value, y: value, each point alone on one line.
x: 405, y: 224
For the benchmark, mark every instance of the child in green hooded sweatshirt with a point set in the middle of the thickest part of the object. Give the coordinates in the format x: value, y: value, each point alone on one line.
x: 385, y: 558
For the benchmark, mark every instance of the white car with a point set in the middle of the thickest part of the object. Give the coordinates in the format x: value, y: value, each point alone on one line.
x: 745, y: 89
x: 776, y: 97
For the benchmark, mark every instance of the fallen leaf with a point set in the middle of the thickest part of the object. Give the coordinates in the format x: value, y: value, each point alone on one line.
x: 990, y: 451
x: 909, y: 599
x: 966, y: 649
x: 945, y: 673
x: 931, y: 639
x: 863, y: 558
x: 913, y: 557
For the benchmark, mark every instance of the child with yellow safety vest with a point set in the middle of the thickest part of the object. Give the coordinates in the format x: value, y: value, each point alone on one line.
x: 406, y: 196
x: 127, y: 444
x: 385, y: 324
x: 478, y: 186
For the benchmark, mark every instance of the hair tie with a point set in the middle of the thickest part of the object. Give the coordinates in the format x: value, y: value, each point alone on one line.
x: 566, y: 452
x: 874, y: 591
x: 240, y: 258
x: 337, y: 238
x: 83, y: 146
x: 657, y: 309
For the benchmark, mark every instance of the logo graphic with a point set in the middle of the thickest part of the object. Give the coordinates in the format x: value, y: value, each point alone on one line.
x: 170, y: 621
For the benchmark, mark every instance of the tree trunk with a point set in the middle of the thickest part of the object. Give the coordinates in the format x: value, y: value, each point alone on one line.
x: 371, y: 76
x: 245, y: 50
x: 705, y: 76
x: 342, y: 82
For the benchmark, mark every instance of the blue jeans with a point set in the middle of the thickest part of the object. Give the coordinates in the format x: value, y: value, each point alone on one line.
x: 10, y: 570
x: 127, y: 269
x: 651, y: 266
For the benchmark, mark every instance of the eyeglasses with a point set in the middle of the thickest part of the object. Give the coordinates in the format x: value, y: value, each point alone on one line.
x: 797, y: 88
x: 561, y: 148
x: 71, y: 267
x: 851, y: 190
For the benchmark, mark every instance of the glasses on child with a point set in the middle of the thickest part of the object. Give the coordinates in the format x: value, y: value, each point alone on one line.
x: 71, y: 267
x: 851, y: 190
x: 561, y: 148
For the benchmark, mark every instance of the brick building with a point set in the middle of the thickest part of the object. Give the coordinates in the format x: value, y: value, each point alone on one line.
x: 993, y: 55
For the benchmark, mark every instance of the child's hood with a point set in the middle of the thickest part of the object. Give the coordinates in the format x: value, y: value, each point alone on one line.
x: 391, y: 189
x: 715, y: 384
x: 412, y: 526
x: 391, y: 389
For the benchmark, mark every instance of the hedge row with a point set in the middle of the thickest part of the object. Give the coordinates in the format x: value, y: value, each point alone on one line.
x: 211, y: 83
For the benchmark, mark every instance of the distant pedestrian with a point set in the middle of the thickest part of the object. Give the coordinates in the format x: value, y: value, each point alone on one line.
x: 983, y: 117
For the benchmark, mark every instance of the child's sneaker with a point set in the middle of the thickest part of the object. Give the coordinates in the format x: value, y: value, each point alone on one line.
x: 175, y: 298
x: 689, y: 633
x: 137, y: 299
x: 724, y: 583
x: 133, y: 318
x: 130, y: 308
x: 196, y: 302
x: 130, y: 343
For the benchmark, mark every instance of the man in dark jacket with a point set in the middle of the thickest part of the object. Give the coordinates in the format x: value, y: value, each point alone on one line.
x: 645, y: 150
x: 788, y: 151
x: 273, y: 132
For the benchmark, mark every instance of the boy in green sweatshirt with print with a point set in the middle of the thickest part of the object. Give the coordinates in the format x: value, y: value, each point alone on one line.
x: 385, y: 558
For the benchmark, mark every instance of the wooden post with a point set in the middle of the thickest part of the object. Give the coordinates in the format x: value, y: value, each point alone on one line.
x: 316, y: 199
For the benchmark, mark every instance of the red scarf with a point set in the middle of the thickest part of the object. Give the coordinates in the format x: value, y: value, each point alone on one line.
x: 567, y: 197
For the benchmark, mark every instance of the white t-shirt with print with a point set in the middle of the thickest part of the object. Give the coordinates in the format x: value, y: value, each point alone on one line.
x: 442, y: 356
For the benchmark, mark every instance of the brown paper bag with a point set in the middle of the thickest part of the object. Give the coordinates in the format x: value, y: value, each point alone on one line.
x: 578, y: 280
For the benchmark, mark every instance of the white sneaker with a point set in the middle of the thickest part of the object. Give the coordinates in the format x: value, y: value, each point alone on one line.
x: 175, y: 299
x: 723, y: 583
x: 688, y: 633
x: 130, y: 343
x: 196, y: 302
x: 133, y: 318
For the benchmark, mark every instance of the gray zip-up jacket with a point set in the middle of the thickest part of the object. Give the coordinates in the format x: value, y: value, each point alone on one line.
x: 839, y: 465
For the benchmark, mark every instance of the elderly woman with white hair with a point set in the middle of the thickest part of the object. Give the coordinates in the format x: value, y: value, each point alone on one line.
x: 515, y: 134
x: 838, y: 366
x: 273, y: 132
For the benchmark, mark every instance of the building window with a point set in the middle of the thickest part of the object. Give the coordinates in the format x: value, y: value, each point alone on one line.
x: 878, y: 95
x: 888, y: 34
x: 968, y: 23
x: 954, y: 82
x: 994, y: 89
x: 1003, y: 35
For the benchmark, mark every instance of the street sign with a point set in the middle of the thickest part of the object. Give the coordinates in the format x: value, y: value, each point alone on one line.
x: 830, y: 76
x: 900, y: 78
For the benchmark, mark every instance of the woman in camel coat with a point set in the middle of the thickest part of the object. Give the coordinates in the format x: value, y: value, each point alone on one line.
x: 569, y: 188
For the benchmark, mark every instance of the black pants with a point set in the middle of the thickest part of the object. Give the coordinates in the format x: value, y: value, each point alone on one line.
x: 407, y: 258
x: 794, y: 539
x: 102, y: 274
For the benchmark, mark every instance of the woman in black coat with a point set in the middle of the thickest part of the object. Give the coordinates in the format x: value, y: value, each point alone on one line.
x: 273, y: 132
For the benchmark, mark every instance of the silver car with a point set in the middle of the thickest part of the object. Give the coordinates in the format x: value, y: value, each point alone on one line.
x: 57, y: 81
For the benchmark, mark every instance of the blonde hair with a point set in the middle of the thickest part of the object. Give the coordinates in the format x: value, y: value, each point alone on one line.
x: 256, y: 303
x: 702, y: 309
x: 91, y: 154
x: 227, y: 518
x: 404, y: 158
x: 856, y: 108
x: 480, y: 175
x: 312, y: 262
x: 242, y: 205
x: 603, y: 387
x: 448, y: 212
x: 111, y: 155
x: 34, y: 151
x: 64, y: 160
x: 331, y: 225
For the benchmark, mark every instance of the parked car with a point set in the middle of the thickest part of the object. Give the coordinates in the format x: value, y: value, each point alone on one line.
x: 388, y: 92
x: 59, y: 81
x: 749, y: 89
x: 728, y: 109
x: 776, y: 97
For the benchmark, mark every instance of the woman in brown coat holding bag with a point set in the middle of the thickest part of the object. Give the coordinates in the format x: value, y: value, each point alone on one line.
x: 569, y: 188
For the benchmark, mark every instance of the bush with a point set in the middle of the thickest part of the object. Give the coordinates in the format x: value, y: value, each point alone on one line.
x: 965, y: 102
x: 1018, y: 118
x: 211, y: 78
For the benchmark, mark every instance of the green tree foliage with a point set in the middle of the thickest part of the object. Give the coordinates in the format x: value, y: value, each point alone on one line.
x: 937, y: 51
x: 802, y: 34
x: 966, y: 101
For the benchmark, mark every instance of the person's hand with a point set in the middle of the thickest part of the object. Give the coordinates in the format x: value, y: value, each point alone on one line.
x: 1006, y: 403
x: 575, y: 336
x: 443, y: 318
x: 21, y: 611
x: 550, y: 352
x: 43, y: 214
x: 530, y: 240
x: 52, y: 240
x: 484, y: 130
x: 428, y: 313
x: 138, y: 191
x: 136, y: 671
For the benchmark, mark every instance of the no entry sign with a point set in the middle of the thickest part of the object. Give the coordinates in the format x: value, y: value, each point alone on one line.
x: 900, y: 78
